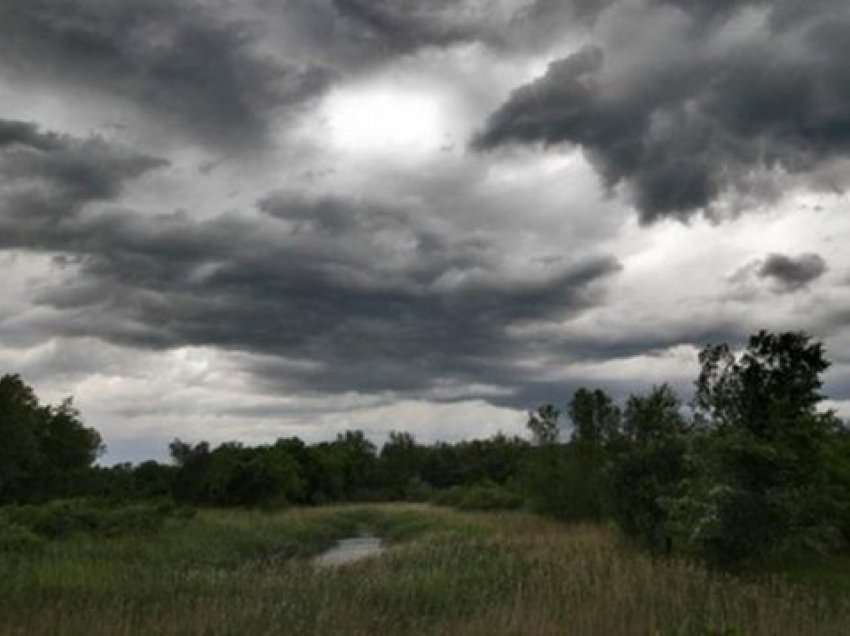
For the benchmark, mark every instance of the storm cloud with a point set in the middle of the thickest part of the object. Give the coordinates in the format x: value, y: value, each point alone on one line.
x: 687, y: 110
x: 227, y: 220
x: 792, y: 273
x: 47, y: 176
x: 190, y: 68
x: 372, y: 297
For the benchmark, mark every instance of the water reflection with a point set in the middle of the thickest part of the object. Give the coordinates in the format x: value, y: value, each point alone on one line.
x: 348, y: 550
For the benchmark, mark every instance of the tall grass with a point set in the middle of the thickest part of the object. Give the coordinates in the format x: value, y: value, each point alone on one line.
x: 446, y: 572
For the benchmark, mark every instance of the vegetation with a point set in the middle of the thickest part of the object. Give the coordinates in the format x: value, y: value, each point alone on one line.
x: 63, y: 518
x: 753, y: 478
x: 46, y: 450
x: 236, y: 572
x: 481, y: 496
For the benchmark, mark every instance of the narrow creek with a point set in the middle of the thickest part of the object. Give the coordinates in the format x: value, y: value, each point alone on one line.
x: 350, y: 550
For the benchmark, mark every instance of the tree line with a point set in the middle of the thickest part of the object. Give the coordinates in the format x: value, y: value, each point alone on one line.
x: 751, y: 468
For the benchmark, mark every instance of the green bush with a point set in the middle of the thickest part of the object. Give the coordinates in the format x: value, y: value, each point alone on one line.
x: 54, y: 520
x: 15, y: 538
x: 482, y: 496
x: 63, y: 518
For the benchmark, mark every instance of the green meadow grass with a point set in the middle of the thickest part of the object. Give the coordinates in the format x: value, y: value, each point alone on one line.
x: 446, y: 572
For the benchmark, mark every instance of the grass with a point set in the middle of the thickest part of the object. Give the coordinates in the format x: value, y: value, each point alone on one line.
x: 447, y: 572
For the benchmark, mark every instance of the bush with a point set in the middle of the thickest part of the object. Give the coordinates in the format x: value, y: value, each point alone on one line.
x: 61, y: 519
x: 481, y: 496
x: 418, y: 490
x: 563, y: 484
x: 16, y: 539
x: 54, y: 520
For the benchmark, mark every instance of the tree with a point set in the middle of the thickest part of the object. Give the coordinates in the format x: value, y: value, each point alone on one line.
x: 543, y: 425
x: 558, y: 481
x: 401, y: 464
x: 596, y: 419
x: 193, y: 463
x: 768, y: 478
x: 20, y: 455
x: 359, y: 463
x: 68, y: 448
x: 44, y: 449
x: 650, y: 465
x: 774, y: 382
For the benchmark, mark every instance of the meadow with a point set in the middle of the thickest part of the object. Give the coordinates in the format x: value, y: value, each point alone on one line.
x: 445, y: 572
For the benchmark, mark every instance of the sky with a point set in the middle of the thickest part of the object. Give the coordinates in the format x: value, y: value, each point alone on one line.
x: 248, y: 220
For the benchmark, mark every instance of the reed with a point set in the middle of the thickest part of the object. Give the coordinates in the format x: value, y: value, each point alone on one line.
x: 446, y: 572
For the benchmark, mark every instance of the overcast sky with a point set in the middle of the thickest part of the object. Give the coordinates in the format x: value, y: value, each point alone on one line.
x: 264, y: 218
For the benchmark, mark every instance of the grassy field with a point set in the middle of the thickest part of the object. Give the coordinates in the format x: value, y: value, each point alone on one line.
x: 446, y: 573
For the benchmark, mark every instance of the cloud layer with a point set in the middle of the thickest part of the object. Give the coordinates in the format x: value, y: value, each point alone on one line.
x: 370, y: 295
x: 689, y: 105
x: 240, y: 220
x: 181, y: 63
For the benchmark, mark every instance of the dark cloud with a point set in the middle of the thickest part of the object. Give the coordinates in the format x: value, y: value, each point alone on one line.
x: 46, y: 176
x: 332, y: 294
x: 353, y: 35
x: 542, y: 21
x: 23, y: 133
x: 684, y: 117
x: 401, y: 26
x: 432, y: 286
x: 787, y: 274
x: 179, y: 61
x: 716, y: 9
x: 781, y: 14
x: 792, y: 273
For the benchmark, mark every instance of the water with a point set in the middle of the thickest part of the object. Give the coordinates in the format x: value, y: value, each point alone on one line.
x: 349, y: 550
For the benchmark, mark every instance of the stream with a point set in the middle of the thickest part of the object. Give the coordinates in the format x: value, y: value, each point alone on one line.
x: 350, y: 550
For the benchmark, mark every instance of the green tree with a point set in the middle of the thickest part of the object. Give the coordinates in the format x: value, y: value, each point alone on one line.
x: 769, y: 476
x: 68, y: 449
x: 20, y: 455
x: 543, y: 425
x: 359, y: 462
x: 401, y: 464
x: 46, y: 450
x: 193, y: 462
x: 561, y: 481
x: 650, y: 465
x: 596, y: 418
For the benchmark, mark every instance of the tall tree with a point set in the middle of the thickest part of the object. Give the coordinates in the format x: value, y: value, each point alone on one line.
x: 650, y: 465
x: 768, y: 469
x: 596, y: 418
x: 20, y: 454
x: 44, y: 448
x: 543, y: 425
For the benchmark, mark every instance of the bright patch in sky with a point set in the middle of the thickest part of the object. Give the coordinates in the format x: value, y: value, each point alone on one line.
x: 384, y: 121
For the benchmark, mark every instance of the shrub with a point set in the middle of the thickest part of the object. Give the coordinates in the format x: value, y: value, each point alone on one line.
x: 55, y: 520
x: 60, y: 519
x: 481, y: 496
x: 15, y: 538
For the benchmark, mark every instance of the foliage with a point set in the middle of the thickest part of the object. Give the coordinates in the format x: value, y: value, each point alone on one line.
x: 769, y: 477
x: 757, y: 470
x: 45, y: 449
x: 64, y: 518
x: 596, y: 419
x: 445, y: 572
x: 543, y: 425
x: 16, y: 538
x: 480, y: 496
x: 564, y: 483
x: 649, y: 465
